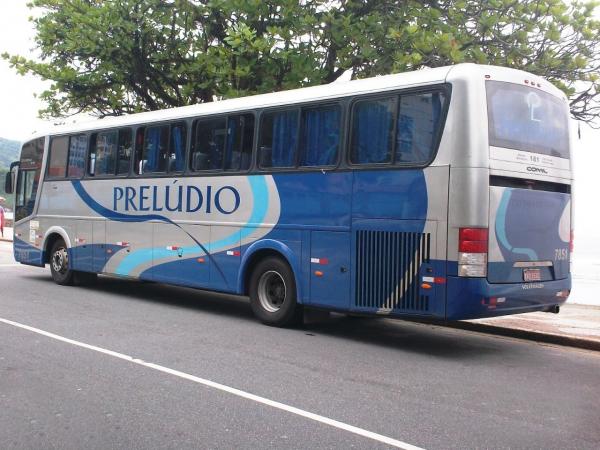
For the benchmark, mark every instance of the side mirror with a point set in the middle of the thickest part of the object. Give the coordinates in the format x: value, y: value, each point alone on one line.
x: 11, y: 178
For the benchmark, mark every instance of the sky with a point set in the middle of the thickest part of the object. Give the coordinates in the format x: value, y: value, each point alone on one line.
x: 19, y: 107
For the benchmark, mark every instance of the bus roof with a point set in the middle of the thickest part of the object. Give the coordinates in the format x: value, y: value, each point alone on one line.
x: 322, y: 92
x: 302, y: 95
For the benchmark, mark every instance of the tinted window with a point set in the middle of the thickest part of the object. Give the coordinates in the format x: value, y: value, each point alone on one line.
x: 418, y: 122
x: 279, y: 139
x: 525, y: 118
x: 103, y: 151
x: 373, y: 131
x: 177, y: 147
x: 154, y: 154
x: 240, y: 137
x: 209, y: 145
x: 77, y: 150
x: 320, y: 136
x: 57, y: 164
x: 125, y: 149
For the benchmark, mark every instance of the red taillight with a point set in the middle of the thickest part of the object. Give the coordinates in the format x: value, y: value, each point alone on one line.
x: 473, y: 247
x: 571, y: 241
x: 473, y: 240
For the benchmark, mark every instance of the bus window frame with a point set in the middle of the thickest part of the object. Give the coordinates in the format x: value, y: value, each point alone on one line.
x: 46, y: 171
x: 87, y: 147
x: 90, y: 134
x: 132, y: 131
x: 288, y: 108
x: 252, y: 150
x: 340, y: 103
x: 216, y: 172
x: 346, y: 108
x: 133, y: 173
x: 144, y: 129
x: 445, y: 88
x: 340, y: 147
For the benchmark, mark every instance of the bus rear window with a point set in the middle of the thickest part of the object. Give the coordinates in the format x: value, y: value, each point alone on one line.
x: 528, y: 119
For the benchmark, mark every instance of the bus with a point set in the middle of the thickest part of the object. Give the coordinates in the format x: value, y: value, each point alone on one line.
x: 442, y: 193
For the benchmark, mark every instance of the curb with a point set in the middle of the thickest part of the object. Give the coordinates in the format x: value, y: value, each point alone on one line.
x: 548, y: 338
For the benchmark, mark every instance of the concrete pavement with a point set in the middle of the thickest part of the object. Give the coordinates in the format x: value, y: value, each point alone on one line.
x: 576, y: 325
x: 429, y: 386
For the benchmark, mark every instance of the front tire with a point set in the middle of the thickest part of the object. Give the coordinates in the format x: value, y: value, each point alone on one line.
x: 273, y: 295
x: 60, y: 267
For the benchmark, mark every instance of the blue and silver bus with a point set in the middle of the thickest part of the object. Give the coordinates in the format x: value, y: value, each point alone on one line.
x: 441, y: 193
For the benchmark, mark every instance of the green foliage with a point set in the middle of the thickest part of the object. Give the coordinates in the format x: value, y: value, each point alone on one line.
x: 122, y: 56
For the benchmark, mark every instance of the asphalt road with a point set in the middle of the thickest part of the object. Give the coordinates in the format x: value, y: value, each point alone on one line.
x: 423, y: 385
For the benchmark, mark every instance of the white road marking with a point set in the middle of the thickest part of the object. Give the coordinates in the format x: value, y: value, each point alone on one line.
x: 11, y: 265
x: 231, y: 390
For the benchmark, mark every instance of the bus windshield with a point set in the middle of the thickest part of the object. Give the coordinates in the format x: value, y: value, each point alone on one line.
x: 528, y: 119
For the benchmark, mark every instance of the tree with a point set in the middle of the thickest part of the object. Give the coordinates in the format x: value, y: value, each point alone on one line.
x: 121, y: 56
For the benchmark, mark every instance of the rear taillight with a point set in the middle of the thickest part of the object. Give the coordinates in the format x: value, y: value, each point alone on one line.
x: 472, y: 252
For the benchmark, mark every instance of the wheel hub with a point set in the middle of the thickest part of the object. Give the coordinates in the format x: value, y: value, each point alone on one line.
x: 271, y: 291
x: 60, y: 260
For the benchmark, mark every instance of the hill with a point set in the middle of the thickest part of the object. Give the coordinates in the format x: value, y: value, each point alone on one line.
x: 9, y: 152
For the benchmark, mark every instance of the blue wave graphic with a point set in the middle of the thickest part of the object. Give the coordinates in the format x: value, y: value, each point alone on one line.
x: 260, y: 195
x: 501, y: 229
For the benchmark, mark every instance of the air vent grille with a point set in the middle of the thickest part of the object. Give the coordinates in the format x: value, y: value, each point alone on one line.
x: 387, y: 270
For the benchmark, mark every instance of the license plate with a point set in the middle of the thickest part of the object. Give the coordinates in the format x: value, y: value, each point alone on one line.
x: 532, y: 275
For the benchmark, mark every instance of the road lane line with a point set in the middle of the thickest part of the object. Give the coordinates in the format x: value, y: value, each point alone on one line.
x: 221, y: 387
x: 11, y: 265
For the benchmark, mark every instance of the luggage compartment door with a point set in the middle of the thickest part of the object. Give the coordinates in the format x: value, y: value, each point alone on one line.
x: 330, y: 269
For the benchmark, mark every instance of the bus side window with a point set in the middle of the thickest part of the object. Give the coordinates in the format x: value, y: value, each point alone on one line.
x: 103, y: 150
x: 57, y: 163
x: 124, y: 151
x: 154, y: 150
x: 240, y: 138
x: 177, y: 147
x: 278, y: 139
x: 373, y: 131
x: 320, y: 136
x: 76, y: 162
x: 418, y: 124
x: 209, y: 145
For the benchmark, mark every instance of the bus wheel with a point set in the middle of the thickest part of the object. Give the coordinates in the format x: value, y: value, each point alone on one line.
x: 273, y: 293
x: 59, y: 264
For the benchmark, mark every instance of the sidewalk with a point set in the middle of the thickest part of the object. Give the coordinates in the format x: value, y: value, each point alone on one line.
x: 575, y: 326
x: 8, y: 235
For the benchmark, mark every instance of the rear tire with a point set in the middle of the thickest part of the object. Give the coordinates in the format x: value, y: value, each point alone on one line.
x: 273, y: 295
x: 60, y: 267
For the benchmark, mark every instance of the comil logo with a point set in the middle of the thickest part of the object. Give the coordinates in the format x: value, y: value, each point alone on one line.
x: 536, y: 170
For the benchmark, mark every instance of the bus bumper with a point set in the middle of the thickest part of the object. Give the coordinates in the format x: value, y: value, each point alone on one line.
x: 472, y: 298
x: 27, y: 254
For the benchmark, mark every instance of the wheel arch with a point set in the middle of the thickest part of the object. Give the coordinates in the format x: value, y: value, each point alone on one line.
x: 263, y: 249
x: 50, y: 237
